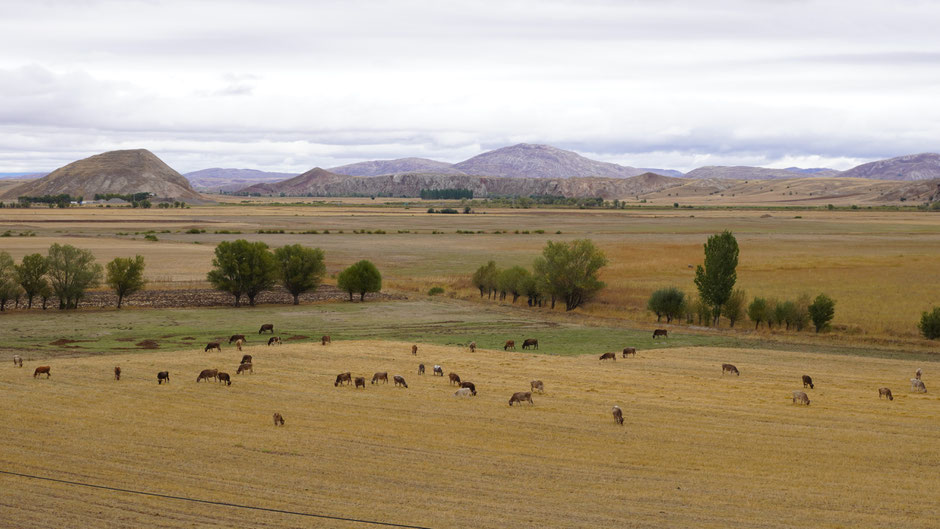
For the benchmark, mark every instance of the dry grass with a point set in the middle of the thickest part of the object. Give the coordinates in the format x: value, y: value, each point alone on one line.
x: 699, y: 449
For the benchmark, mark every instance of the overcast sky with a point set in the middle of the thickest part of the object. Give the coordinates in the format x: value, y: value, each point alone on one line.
x: 289, y: 85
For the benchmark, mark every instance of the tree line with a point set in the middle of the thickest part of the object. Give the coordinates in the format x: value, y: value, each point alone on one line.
x: 566, y: 272
x: 456, y: 193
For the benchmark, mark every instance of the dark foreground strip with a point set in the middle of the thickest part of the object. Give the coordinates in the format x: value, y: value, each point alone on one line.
x: 210, y: 502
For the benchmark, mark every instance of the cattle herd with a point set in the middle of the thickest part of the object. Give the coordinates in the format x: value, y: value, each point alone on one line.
x: 465, y: 388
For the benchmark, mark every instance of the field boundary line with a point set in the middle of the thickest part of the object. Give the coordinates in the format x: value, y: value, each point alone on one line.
x: 212, y: 502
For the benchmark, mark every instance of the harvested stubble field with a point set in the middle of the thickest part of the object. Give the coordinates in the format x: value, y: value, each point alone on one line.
x: 698, y: 449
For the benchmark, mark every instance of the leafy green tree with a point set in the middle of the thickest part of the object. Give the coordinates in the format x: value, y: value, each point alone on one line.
x: 126, y: 276
x: 31, y: 274
x: 822, y: 311
x: 801, y: 312
x: 532, y: 289
x: 785, y: 314
x: 668, y: 302
x: 513, y: 281
x: 757, y: 312
x: 300, y: 269
x: 734, y: 307
x: 485, y: 278
x: 715, y: 280
x: 9, y: 286
x: 930, y: 324
x: 569, y: 270
x: 243, y: 268
x: 360, y: 278
x: 702, y: 311
x: 72, y: 271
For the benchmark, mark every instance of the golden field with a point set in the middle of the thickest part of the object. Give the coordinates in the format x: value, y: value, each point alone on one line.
x: 699, y: 449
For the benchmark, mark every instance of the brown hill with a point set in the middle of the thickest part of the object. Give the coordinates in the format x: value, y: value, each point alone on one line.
x: 925, y: 166
x: 743, y: 172
x: 543, y: 161
x: 123, y: 172
x: 399, y: 166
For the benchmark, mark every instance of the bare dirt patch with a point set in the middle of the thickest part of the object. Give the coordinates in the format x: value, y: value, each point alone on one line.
x: 148, y: 344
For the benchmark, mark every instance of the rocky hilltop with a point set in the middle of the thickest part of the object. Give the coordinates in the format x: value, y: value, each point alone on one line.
x: 925, y: 166
x: 543, y: 161
x: 122, y: 172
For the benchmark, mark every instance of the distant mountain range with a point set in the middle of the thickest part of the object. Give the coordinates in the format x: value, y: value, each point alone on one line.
x: 229, y: 180
x: 755, y: 173
x: 924, y: 166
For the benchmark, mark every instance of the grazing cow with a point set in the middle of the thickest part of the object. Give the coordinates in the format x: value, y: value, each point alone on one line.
x: 918, y: 373
x: 42, y: 370
x: 213, y: 345
x: 917, y: 385
x: 729, y: 368
x: 462, y: 392
x: 530, y: 342
x: 225, y: 379
x: 400, y: 381
x: 266, y: 327
x: 163, y: 376
x: 629, y: 351
x: 609, y: 356
x: 238, y: 344
x: 206, y: 374
x: 469, y: 385
x: 236, y: 337
x: 473, y: 347
x: 537, y: 385
x: 247, y: 367
x: 454, y: 378
x: 800, y: 397
x: 660, y: 332
x: 278, y: 419
x: 420, y: 369
x: 325, y: 339
x: 521, y: 397
x: 17, y: 361
x: 438, y: 370
x: 414, y: 350
x: 246, y: 359
x: 383, y: 376
x: 618, y: 415
x: 274, y: 340
x: 808, y: 381
x: 361, y: 382
x: 885, y: 392
x: 343, y: 378
x: 510, y: 344
x: 117, y: 372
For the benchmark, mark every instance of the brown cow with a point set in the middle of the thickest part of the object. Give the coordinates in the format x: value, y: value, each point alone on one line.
x: 213, y: 345
x: 510, y: 344
x: 225, y: 378
x: 729, y: 368
x: 246, y: 359
x: 42, y: 370
x: 420, y: 369
x: 278, y: 419
x: 454, y: 378
x: 537, y: 385
x: 618, y: 415
x: 266, y: 327
x: 17, y: 361
x: 383, y: 376
x: 206, y: 374
x: 469, y: 385
x: 660, y: 332
x: 609, y: 356
x: 473, y: 347
x: 325, y: 339
x: 800, y: 397
x: 343, y: 378
x: 530, y: 342
x: 629, y: 351
x: 274, y: 340
x: 237, y: 337
x: 414, y: 350
x: 238, y: 344
x: 361, y: 382
x: 117, y: 372
x: 247, y: 367
x: 808, y: 381
x: 521, y: 397
x: 163, y: 376
x: 885, y: 392
x: 400, y: 381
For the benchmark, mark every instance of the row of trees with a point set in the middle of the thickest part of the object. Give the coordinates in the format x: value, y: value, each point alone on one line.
x: 565, y: 271
x: 246, y: 269
x: 66, y: 273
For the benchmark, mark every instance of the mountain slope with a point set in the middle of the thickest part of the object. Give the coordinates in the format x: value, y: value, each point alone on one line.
x: 398, y: 166
x: 229, y: 180
x: 129, y: 171
x: 924, y: 166
x: 742, y: 172
x: 542, y: 161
